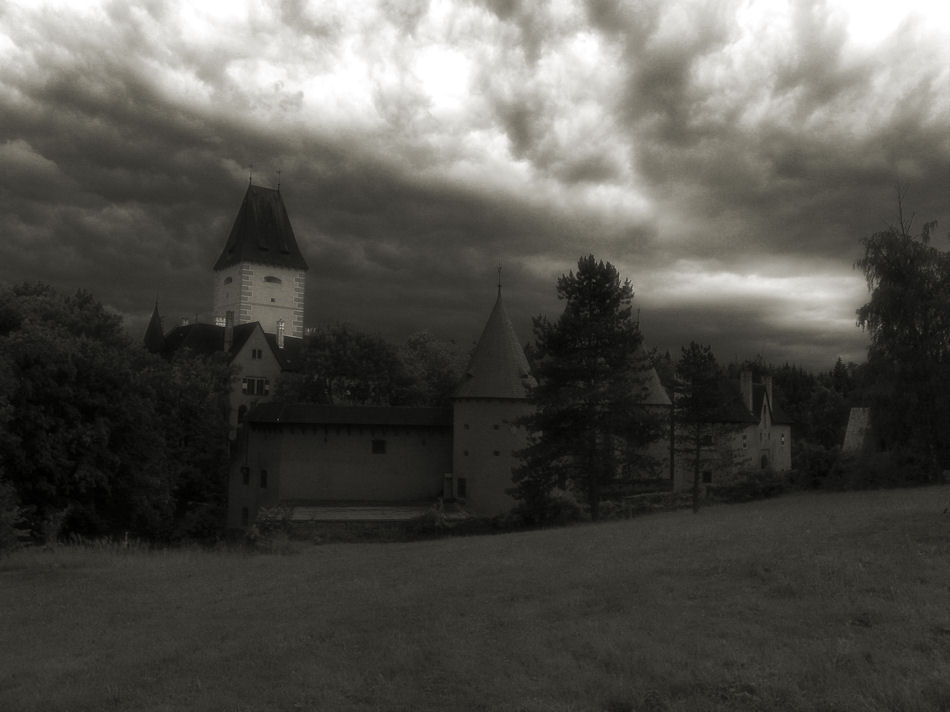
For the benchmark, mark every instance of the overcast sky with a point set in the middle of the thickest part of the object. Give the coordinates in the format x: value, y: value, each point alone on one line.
x: 726, y: 157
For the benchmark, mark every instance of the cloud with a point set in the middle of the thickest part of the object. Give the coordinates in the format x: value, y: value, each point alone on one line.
x: 727, y: 157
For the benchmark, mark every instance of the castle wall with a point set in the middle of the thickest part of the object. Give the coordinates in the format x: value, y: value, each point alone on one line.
x: 338, y: 463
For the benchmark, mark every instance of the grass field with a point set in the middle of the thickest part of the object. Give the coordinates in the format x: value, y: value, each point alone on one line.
x: 809, y: 602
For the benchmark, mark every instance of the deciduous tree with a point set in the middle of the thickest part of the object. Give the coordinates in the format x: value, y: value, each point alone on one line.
x: 908, y: 319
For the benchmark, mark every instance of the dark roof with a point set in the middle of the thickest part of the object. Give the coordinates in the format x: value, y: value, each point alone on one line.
x: 314, y: 414
x: 732, y: 408
x: 154, y: 338
x: 207, y: 339
x: 262, y: 233
x: 778, y: 415
x: 499, y: 368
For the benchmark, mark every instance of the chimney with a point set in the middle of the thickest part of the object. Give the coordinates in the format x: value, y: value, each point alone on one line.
x: 228, y: 330
x: 745, y: 387
x: 280, y: 333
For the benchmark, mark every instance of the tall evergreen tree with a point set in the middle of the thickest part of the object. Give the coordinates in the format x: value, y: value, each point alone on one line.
x: 697, y: 404
x: 589, y: 422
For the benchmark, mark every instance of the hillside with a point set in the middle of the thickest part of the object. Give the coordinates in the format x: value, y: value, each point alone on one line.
x: 834, y: 601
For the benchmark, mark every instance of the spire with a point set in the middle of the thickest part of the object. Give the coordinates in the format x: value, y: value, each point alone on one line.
x: 499, y: 368
x: 154, y: 337
x: 262, y: 233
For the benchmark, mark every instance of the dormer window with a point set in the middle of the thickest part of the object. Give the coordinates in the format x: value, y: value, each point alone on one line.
x: 272, y: 279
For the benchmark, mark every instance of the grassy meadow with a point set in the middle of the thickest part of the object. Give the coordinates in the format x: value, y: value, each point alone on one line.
x: 808, y: 602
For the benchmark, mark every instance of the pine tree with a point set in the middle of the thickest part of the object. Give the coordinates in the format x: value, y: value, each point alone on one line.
x: 589, y: 423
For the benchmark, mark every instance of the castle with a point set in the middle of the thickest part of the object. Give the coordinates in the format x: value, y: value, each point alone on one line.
x: 326, y: 462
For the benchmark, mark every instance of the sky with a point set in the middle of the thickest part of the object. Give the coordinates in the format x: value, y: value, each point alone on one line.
x: 727, y: 157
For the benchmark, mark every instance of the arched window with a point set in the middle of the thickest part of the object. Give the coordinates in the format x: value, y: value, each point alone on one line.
x: 272, y: 279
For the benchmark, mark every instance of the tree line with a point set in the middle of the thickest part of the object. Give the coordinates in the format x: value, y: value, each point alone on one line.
x: 98, y: 437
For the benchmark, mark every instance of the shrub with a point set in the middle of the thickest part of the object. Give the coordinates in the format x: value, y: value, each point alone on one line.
x: 881, y: 469
x: 9, y: 515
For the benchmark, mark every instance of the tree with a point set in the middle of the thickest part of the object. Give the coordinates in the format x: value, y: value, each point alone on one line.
x: 589, y: 423
x: 341, y: 365
x: 432, y: 367
x: 92, y: 447
x: 697, y: 405
x: 908, y: 319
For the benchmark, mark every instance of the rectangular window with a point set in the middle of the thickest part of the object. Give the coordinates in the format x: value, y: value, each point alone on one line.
x: 707, y: 477
x: 246, y: 475
x: 379, y: 447
x: 263, y: 479
x: 257, y: 353
x: 461, y: 488
x: 244, y: 516
x: 255, y: 386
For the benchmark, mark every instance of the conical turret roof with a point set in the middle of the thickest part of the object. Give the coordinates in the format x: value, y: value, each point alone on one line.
x: 499, y: 368
x: 262, y: 233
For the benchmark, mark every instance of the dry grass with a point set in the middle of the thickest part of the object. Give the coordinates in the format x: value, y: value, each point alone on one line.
x: 810, y: 602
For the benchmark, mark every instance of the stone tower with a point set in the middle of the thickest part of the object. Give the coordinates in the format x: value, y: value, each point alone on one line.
x: 487, y: 405
x: 260, y: 275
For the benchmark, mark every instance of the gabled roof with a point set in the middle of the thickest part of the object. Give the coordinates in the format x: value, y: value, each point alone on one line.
x: 315, y: 414
x: 732, y: 409
x: 758, y: 396
x: 207, y: 339
x: 499, y: 368
x: 262, y: 233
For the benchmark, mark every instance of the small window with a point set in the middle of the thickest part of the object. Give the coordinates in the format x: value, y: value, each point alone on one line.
x: 245, y: 518
x: 379, y: 447
x: 257, y: 353
x: 461, y: 488
x: 783, y: 438
x: 246, y: 475
x: 242, y: 413
x: 227, y: 280
x: 707, y: 440
x: 745, y: 441
x: 707, y: 477
x: 272, y: 280
x: 496, y: 453
x: 495, y: 426
x: 465, y: 426
x: 263, y: 479
x: 255, y: 386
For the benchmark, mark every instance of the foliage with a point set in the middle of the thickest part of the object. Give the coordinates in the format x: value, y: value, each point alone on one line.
x: 433, y: 368
x: 9, y: 516
x: 589, y: 421
x: 93, y: 447
x: 341, y: 365
x: 908, y: 319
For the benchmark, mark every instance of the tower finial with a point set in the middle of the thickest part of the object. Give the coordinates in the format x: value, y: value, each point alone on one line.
x: 250, y: 173
x: 278, y: 180
x: 499, y: 279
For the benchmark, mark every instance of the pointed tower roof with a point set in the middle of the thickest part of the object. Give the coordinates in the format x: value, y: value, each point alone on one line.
x: 262, y: 233
x: 154, y: 337
x: 653, y: 391
x: 499, y: 368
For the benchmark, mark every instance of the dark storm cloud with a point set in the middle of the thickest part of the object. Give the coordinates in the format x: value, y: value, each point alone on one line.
x: 728, y: 171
